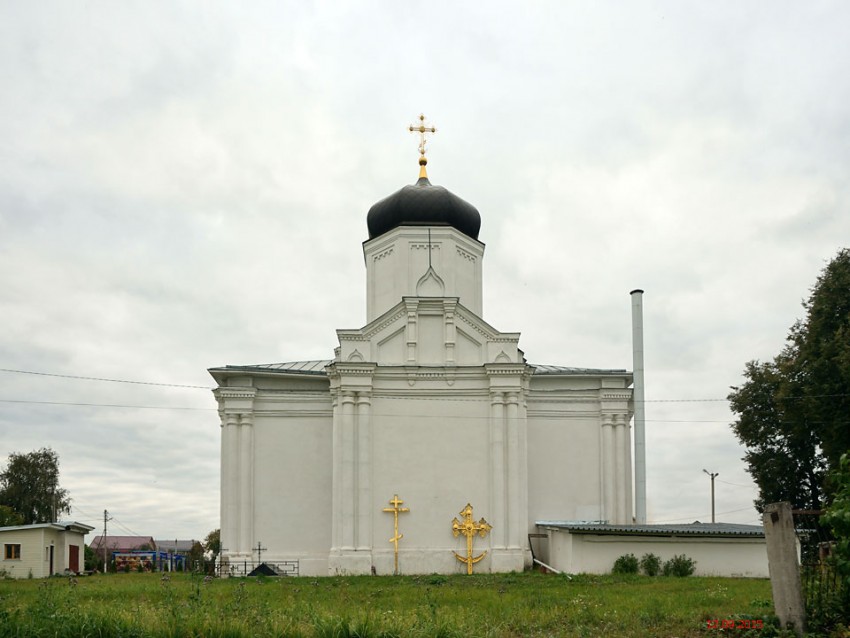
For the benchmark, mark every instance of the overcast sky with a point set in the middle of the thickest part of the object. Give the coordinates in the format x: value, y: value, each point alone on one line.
x: 185, y: 185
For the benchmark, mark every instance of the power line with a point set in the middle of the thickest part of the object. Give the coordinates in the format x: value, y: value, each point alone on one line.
x: 735, y: 484
x: 105, y: 405
x: 73, y: 376
x: 204, y: 387
x: 124, y: 527
x: 82, y: 511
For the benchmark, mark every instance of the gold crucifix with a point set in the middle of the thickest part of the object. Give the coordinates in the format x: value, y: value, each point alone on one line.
x: 396, y: 510
x: 470, y: 528
x: 422, y: 130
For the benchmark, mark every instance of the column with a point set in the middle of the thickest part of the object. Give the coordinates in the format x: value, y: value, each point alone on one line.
x: 629, y: 487
x: 230, y: 485
x: 246, y: 480
x: 608, y: 474
x: 347, y: 476
x: 620, y: 443
x: 523, y: 469
x: 364, y: 471
x: 336, y: 477
x: 515, y: 517
x: 497, y: 466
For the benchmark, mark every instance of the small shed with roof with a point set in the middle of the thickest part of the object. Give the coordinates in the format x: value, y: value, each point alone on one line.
x: 43, y: 549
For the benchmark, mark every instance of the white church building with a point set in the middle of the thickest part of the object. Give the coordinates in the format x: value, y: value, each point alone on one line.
x: 427, y: 405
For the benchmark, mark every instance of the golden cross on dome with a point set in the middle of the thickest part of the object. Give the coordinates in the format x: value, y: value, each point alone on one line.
x: 422, y: 129
x: 470, y: 528
x: 396, y: 510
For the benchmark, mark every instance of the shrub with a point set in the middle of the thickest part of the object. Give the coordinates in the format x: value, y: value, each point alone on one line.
x: 626, y: 564
x: 679, y: 565
x: 650, y: 564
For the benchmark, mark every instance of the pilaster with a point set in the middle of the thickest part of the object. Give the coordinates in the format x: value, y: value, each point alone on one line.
x: 351, y: 388
x: 498, y: 488
x: 608, y: 470
x: 364, y: 471
x: 236, y: 409
x: 509, y: 479
x: 620, y: 444
x: 246, y: 482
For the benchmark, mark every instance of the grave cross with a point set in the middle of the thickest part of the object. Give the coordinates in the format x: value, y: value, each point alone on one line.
x: 260, y: 549
x: 396, y: 510
x: 469, y: 528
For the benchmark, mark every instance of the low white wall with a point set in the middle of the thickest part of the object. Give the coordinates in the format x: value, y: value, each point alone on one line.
x: 714, y: 556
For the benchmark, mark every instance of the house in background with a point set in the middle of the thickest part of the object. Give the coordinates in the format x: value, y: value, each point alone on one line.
x: 43, y: 549
x: 177, y: 552
x: 182, y: 548
x: 122, y: 544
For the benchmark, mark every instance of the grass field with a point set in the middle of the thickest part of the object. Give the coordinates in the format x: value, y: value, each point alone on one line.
x: 497, y: 606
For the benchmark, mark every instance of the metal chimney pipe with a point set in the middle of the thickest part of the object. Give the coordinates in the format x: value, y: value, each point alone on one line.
x: 640, y: 407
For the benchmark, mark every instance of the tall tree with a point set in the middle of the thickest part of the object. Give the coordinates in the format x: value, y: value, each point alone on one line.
x: 212, y: 543
x: 794, y: 412
x: 30, y: 486
x: 9, y: 517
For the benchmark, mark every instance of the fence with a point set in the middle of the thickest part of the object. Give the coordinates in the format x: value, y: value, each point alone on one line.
x: 822, y: 587
x: 254, y: 568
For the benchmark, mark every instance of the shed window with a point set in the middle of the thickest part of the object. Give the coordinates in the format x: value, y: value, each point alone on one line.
x: 12, y: 551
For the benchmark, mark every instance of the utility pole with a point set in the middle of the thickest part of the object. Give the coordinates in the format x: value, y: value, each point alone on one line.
x: 103, y: 538
x: 713, y: 475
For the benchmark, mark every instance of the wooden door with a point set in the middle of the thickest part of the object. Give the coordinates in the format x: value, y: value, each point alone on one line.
x: 74, y: 558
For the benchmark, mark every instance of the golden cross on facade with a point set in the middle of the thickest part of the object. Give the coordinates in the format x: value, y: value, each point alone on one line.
x: 422, y: 129
x: 470, y: 528
x: 396, y: 510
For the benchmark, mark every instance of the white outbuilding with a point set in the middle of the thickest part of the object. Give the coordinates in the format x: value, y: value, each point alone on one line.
x: 43, y: 549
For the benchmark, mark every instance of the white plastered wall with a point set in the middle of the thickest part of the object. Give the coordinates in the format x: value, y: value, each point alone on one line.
x: 397, y: 261
x: 714, y: 556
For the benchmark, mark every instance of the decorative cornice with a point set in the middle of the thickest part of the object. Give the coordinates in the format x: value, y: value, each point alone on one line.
x: 615, y: 395
x: 386, y: 253
x: 295, y: 414
x: 506, y: 368
x: 366, y: 335
x: 235, y: 393
x: 466, y: 255
x: 536, y: 398
x: 475, y: 326
x: 535, y: 413
x: 354, y: 368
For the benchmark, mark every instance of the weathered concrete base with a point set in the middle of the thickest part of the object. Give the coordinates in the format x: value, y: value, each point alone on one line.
x: 350, y: 563
x: 507, y: 560
x: 782, y: 558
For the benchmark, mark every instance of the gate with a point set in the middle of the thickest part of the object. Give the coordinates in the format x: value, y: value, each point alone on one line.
x: 823, y: 589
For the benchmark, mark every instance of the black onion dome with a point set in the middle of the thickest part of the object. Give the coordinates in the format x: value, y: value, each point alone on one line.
x: 423, y: 204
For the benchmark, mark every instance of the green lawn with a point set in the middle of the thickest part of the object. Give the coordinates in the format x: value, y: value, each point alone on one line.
x: 497, y: 606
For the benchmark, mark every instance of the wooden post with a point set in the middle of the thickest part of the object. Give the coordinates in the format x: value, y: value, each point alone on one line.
x: 784, y: 567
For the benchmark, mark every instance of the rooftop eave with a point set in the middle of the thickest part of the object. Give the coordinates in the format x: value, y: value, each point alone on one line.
x: 697, y: 531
